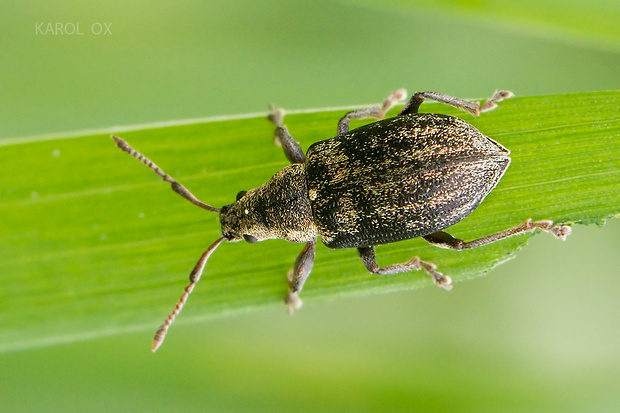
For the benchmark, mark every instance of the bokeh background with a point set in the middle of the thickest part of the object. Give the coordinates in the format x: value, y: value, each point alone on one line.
x: 540, y: 333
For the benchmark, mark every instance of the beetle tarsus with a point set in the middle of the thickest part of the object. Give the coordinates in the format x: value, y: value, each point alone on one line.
x: 293, y: 302
x: 276, y: 115
x: 472, y: 108
x: 377, y: 112
x: 439, y: 279
x: 498, y: 96
x: 560, y: 231
x: 367, y: 255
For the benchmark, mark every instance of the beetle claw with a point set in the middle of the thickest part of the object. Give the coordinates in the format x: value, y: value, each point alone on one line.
x: 560, y: 231
x: 443, y: 281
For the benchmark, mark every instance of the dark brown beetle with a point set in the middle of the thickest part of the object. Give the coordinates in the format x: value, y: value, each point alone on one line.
x: 405, y: 177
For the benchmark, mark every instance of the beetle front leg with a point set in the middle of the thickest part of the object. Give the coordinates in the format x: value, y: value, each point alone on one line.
x: 297, y: 277
x: 444, y: 240
x: 283, y: 138
x: 470, y: 107
x: 367, y: 254
x: 377, y: 112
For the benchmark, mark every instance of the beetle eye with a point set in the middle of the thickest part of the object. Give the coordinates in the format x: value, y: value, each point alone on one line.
x: 249, y: 239
x: 241, y: 194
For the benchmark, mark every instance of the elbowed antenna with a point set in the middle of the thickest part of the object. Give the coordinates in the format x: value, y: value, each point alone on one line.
x: 176, y: 186
x: 194, y: 277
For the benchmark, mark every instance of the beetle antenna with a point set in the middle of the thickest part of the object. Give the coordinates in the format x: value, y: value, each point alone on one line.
x: 176, y: 186
x: 194, y: 277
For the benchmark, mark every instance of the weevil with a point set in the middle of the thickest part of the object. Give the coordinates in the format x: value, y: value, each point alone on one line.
x: 409, y: 176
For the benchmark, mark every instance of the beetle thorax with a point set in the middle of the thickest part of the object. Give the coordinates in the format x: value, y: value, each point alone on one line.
x: 278, y: 209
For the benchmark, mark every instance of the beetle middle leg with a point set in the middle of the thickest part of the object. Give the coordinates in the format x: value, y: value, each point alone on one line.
x: 444, y: 240
x: 377, y: 112
x: 470, y: 107
x: 367, y: 254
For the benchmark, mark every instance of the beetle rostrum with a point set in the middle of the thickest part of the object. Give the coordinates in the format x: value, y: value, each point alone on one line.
x: 409, y: 176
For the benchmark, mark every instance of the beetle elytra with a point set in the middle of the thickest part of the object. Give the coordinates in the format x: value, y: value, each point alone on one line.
x: 409, y: 176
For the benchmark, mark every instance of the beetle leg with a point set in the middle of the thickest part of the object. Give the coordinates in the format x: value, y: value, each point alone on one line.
x: 470, y: 107
x: 377, y: 112
x: 498, y: 96
x: 298, y: 275
x: 283, y: 138
x: 367, y: 254
x: 444, y: 240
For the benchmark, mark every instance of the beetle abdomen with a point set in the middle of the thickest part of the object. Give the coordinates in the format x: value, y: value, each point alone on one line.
x: 400, y: 178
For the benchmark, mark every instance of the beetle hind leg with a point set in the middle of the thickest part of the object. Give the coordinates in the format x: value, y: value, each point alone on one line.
x: 377, y: 112
x: 444, y: 240
x: 367, y: 254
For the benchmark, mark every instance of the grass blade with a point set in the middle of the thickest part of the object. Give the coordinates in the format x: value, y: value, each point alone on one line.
x: 92, y: 243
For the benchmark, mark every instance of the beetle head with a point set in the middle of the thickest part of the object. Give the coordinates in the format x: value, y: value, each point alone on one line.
x: 242, y: 220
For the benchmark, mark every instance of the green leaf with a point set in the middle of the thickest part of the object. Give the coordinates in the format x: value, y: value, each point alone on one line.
x: 93, y: 243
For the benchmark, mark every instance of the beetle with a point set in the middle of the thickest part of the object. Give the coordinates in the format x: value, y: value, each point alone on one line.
x: 409, y: 176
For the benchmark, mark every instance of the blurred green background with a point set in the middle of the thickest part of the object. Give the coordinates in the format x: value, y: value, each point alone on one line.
x: 540, y: 333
